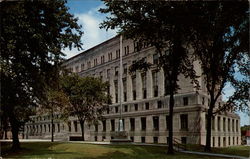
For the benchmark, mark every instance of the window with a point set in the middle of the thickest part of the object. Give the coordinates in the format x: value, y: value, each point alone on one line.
x: 58, y: 127
x: 237, y: 127
x: 95, y: 62
x: 155, y: 83
x: 75, y: 126
x: 184, y: 121
x: 117, y: 53
x: 224, y: 124
x: 116, y: 70
x: 108, y: 73
x: 218, y: 141
x: 228, y: 124
x: 233, y: 125
x: 112, y: 125
x: 110, y: 56
x: 96, y: 127
x: 116, y: 90
x: 218, y: 123
x: 132, y: 138
x: 185, y: 101
x: 134, y: 87
x: 229, y: 143
x: 155, y: 59
x: 144, y: 90
x: 143, y: 139
x: 147, y: 106
x: 125, y: 68
x: 213, y: 125
x: 125, y: 108
x: 156, y: 123
x: 69, y: 125
x: 126, y: 48
x: 102, y: 59
x: 159, y: 104
x: 184, y: 140
x: 155, y: 140
x: 136, y: 107
x: 89, y: 64
x: 132, y: 124
x: 104, y: 125
x: 213, y: 141
x: 203, y: 100
x: 44, y: 128
x: 124, y: 81
x: 143, y: 123
x: 82, y: 66
x: 116, y: 109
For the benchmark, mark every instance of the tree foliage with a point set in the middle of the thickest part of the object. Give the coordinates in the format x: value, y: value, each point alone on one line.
x: 32, y: 36
x: 159, y: 24
x: 221, y: 43
x: 87, y: 96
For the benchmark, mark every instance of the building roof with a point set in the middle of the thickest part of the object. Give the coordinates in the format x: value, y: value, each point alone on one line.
x: 248, y: 133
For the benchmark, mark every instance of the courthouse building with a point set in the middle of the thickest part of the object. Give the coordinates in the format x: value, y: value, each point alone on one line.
x: 144, y: 104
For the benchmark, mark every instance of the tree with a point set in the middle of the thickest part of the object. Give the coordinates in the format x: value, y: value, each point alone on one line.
x: 221, y: 44
x: 159, y: 24
x: 87, y: 96
x: 32, y: 36
x: 55, y: 102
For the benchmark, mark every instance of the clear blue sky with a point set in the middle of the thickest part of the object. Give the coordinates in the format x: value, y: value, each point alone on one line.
x: 90, y: 18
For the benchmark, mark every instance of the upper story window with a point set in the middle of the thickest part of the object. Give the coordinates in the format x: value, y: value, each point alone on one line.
x: 126, y: 49
x: 110, y: 56
x: 102, y: 59
x: 125, y: 68
x: 116, y: 70
x: 95, y: 62
x: 185, y: 101
x: 155, y: 58
x: 89, y: 64
x: 137, y: 46
x: 117, y: 53
x: 108, y: 73
x: 82, y: 66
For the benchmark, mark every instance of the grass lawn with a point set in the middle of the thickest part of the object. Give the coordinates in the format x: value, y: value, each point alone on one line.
x: 233, y: 150
x: 80, y: 150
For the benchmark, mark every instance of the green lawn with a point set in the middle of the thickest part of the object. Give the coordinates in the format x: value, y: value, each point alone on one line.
x: 233, y: 150
x: 79, y: 150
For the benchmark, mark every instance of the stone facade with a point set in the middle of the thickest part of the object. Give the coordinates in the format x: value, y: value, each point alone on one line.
x: 145, y: 106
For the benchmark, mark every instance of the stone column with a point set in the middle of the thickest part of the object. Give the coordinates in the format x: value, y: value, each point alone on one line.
x: 138, y: 85
x: 129, y: 88
x: 149, y: 83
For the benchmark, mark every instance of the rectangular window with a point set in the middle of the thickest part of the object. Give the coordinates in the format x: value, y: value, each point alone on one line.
x: 108, y: 73
x: 233, y: 125
x: 112, y: 125
x: 155, y: 59
x: 218, y: 123
x: 156, y: 123
x: 213, y: 125
x: 147, y: 106
x: 228, y: 124
x: 117, y: 53
x: 116, y: 70
x: 184, y: 121
x: 184, y: 140
x: 125, y: 68
x: 143, y: 123
x: 134, y: 87
x: 124, y: 81
x: 104, y: 125
x: 155, y: 140
x: 116, y: 90
x: 58, y: 127
x: 155, y: 83
x: 237, y: 126
x: 144, y: 85
x: 125, y: 108
x: 218, y: 141
x: 96, y: 127
x: 159, y: 104
x: 132, y: 124
x: 110, y: 56
x: 224, y: 124
x: 102, y: 59
x: 116, y: 109
x: 77, y: 68
x: 89, y: 64
x: 185, y: 101
x: 82, y: 67
x: 69, y: 125
x: 136, y: 107
x: 143, y: 139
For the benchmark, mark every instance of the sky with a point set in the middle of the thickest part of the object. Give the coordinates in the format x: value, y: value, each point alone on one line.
x: 89, y: 17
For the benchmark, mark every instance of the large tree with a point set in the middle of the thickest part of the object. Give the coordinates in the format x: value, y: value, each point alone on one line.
x: 161, y: 25
x: 221, y: 44
x: 33, y: 33
x: 87, y: 96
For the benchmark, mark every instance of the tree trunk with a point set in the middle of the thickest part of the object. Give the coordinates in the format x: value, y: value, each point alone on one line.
x: 208, y: 135
x: 52, y: 126
x: 15, y: 130
x: 82, y: 128
x: 170, y: 122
